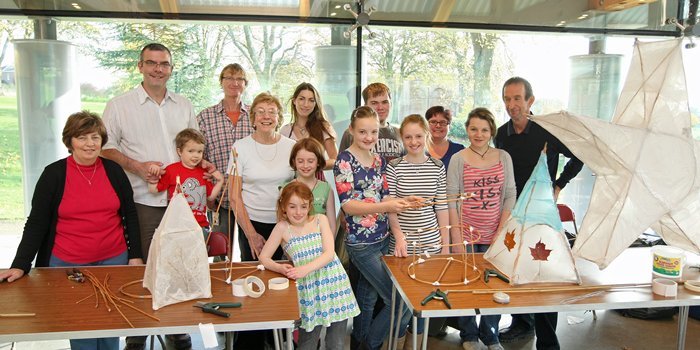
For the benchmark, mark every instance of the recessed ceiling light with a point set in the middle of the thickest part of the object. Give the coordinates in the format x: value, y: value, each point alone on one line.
x: 337, y: 6
x: 76, y: 6
x: 333, y: 13
x: 585, y: 15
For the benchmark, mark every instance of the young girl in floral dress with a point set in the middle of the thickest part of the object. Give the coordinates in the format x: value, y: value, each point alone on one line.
x: 325, y: 296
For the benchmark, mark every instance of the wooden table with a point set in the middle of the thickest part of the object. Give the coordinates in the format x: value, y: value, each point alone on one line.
x: 48, y: 293
x: 632, y: 267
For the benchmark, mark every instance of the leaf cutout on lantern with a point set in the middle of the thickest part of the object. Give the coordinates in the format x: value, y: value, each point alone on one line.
x: 509, y: 241
x: 539, y: 252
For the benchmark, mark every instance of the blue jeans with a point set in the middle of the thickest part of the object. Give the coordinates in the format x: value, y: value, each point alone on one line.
x: 335, y: 336
x: 487, y: 330
x: 94, y: 343
x: 373, y: 282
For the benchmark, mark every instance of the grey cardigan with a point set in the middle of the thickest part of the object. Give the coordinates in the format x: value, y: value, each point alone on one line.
x: 455, y: 182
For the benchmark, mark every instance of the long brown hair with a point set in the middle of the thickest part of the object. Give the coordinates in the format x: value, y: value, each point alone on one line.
x: 316, y: 123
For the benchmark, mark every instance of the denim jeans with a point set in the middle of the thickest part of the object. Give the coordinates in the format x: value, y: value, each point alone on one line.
x: 94, y: 343
x: 487, y: 330
x: 335, y: 336
x: 374, y: 282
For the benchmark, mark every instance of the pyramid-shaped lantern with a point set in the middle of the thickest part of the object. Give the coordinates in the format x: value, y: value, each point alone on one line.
x: 531, y: 246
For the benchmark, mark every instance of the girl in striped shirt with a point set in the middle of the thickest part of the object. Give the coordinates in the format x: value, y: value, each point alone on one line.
x: 486, y: 172
x: 417, y: 174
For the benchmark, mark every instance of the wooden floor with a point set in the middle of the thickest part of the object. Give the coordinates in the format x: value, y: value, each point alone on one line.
x: 576, y: 330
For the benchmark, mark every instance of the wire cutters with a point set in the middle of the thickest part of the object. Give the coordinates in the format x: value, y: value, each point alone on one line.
x: 213, y: 308
x: 75, y: 275
x: 437, y: 295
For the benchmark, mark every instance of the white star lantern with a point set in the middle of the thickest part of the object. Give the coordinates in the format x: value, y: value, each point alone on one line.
x: 645, y: 161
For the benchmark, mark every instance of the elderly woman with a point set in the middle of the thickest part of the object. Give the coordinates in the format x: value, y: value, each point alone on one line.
x: 261, y: 167
x: 309, y: 120
x: 441, y: 147
x: 82, y: 214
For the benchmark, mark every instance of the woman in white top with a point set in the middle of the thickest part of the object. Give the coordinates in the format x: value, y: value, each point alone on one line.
x: 261, y: 167
x: 309, y: 120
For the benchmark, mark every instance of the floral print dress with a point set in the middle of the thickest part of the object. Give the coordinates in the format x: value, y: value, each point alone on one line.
x: 354, y: 181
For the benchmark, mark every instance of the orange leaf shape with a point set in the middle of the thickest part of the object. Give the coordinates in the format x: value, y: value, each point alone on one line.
x: 539, y: 252
x: 510, y: 240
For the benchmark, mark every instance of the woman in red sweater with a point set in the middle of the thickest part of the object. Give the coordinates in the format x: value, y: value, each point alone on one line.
x: 82, y: 213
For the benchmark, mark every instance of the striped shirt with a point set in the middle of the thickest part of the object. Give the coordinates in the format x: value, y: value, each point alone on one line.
x: 482, y: 211
x: 220, y: 135
x: 427, y: 180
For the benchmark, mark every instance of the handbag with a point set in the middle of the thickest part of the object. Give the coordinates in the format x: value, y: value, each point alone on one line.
x: 217, y: 244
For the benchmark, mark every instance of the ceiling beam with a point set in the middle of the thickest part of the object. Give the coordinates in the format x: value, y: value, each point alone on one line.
x: 442, y: 11
x: 304, y: 8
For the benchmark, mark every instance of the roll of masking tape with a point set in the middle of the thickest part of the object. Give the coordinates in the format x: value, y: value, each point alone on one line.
x: 692, y: 285
x: 248, y: 286
x: 277, y: 283
x: 664, y: 287
x: 238, y: 289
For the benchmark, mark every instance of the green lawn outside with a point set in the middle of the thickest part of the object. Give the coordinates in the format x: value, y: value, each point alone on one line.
x: 12, y: 203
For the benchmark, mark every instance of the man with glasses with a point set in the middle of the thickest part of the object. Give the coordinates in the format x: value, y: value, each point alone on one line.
x: 223, y: 124
x: 141, y: 127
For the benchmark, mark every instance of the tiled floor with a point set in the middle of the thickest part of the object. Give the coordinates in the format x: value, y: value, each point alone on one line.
x: 576, y: 330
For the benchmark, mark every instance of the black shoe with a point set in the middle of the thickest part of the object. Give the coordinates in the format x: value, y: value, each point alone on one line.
x: 180, y: 341
x: 516, y: 333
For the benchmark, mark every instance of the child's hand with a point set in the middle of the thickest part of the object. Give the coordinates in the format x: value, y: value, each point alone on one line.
x: 284, y: 268
x: 153, y: 170
x: 414, y: 201
x: 297, y: 272
x: 218, y: 176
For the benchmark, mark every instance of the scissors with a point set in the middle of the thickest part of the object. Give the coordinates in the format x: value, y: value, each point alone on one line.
x: 213, y: 308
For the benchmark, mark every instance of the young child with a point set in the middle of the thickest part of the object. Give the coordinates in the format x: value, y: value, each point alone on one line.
x: 307, y: 160
x: 325, y: 296
x: 197, y: 190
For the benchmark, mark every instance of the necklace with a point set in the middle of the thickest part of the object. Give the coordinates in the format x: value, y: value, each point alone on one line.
x: 94, y: 169
x: 263, y: 158
x: 481, y: 154
x: 302, y: 130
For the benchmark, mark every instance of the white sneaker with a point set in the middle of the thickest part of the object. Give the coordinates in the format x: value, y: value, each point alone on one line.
x: 471, y: 345
x: 496, y: 346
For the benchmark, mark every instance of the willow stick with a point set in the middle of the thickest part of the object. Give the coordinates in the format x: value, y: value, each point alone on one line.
x: 444, y: 269
x: 550, y: 289
x: 141, y: 311
x: 248, y: 274
x: 86, y: 298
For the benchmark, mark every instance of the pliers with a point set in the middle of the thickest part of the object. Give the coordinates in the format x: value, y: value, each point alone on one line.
x: 213, y: 308
x: 75, y: 275
x: 437, y: 295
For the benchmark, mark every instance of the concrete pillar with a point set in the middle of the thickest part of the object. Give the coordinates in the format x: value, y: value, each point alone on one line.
x: 593, y: 91
x: 48, y: 91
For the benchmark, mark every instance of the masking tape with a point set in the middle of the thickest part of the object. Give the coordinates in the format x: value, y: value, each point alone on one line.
x: 247, y: 286
x: 277, y: 283
x: 692, y: 286
x: 501, y: 298
x: 237, y: 286
x: 664, y: 287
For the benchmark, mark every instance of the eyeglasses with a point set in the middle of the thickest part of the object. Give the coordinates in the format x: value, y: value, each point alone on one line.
x: 154, y: 64
x: 441, y: 123
x: 272, y: 112
x: 233, y: 79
